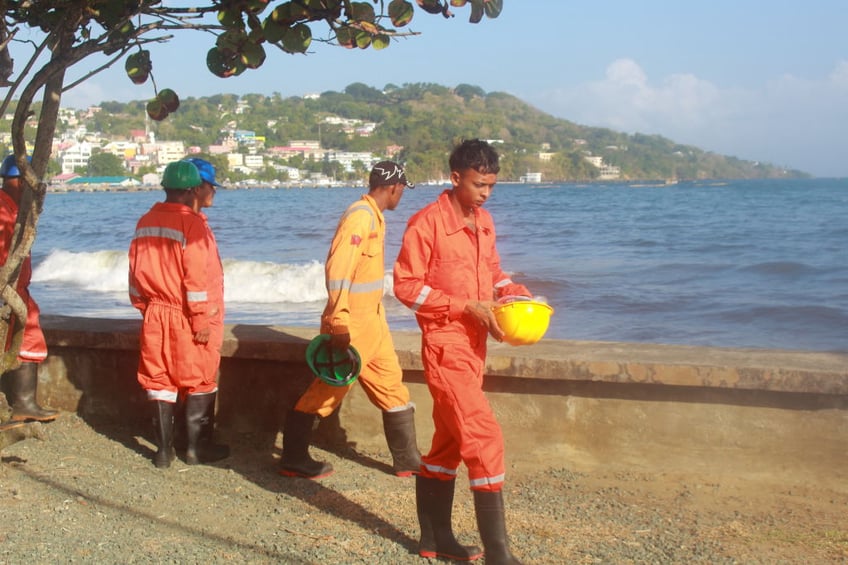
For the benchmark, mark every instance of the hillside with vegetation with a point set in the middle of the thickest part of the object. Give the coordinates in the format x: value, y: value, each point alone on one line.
x: 422, y: 121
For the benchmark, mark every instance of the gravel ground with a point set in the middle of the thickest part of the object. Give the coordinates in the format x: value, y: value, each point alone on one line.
x: 74, y: 493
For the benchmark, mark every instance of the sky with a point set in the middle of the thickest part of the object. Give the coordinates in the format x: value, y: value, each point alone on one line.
x: 761, y: 80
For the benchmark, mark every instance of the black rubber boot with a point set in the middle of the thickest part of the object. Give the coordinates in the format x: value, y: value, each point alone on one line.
x: 20, y: 385
x: 489, y: 507
x: 200, y: 425
x: 163, y: 432
x: 400, y: 435
x: 296, y: 461
x: 180, y: 432
x: 434, y: 502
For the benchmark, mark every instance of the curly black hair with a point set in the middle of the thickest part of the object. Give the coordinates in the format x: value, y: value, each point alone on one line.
x: 475, y: 154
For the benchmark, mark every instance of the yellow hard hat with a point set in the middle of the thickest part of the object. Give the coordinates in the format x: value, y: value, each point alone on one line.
x: 523, y: 321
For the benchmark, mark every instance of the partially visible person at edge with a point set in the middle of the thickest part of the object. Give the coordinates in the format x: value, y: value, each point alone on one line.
x: 448, y: 272
x: 354, y: 316
x: 176, y: 280
x: 20, y: 385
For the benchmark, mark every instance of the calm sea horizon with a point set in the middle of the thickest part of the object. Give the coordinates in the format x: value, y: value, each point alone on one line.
x: 755, y: 263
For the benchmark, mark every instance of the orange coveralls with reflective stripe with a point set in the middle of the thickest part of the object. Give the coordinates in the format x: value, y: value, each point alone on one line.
x: 354, y: 272
x: 177, y: 282
x: 441, y: 266
x: 33, y: 346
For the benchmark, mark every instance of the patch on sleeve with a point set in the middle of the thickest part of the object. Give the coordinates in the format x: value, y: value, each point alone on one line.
x: 355, y: 240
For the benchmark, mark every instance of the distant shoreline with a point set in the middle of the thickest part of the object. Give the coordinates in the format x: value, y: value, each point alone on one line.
x: 633, y: 183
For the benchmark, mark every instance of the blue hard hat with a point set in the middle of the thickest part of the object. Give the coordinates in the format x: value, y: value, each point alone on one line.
x: 9, y: 168
x: 207, y: 170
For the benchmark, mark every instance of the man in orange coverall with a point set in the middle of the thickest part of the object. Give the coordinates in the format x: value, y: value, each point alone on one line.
x: 177, y: 282
x: 354, y: 315
x: 20, y: 384
x: 448, y: 271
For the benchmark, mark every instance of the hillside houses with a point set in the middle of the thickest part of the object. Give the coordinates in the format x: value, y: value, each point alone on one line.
x: 605, y: 170
x: 243, y: 150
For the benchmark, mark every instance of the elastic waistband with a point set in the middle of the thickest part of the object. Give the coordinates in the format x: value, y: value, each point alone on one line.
x: 177, y: 307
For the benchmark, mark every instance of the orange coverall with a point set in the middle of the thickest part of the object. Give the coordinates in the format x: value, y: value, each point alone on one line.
x: 354, y: 272
x: 33, y: 346
x: 177, y: 282
x: 442, y: 265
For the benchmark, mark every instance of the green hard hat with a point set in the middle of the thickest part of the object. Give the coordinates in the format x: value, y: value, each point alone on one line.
x: 181, y: 175
x: 334, y: 367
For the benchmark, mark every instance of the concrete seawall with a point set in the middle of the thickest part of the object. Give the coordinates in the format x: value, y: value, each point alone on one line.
x: 570, y: 404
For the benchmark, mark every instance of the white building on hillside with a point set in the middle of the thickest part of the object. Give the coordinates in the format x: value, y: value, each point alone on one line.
x: 124, y: 149
x: 347, y: 158
x: 75, y: 156
x: 606, y: 171
x: 169, y: 151
x: 254, y: 161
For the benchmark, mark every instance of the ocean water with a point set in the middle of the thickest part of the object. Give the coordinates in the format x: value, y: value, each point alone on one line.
x: 760, y: 264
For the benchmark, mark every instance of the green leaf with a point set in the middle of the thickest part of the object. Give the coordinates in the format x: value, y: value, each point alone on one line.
x: 231, y: 41
x: 230, y: 17
x: 289, y: 12
x: 256, y: 6
x: 252, y: 55
x: 476, y: 11
x: 345, y: 37
x: 363, y: 39
x: 362, y: 12
x: 493, y: 8
x: 380, y: 41
x: 431, y: 6
x: 297, y: 38
x: 273, y: 31
x: 281, y: 14
x: 138, y: 66
x: 217, y: 63
x: 400, y: 12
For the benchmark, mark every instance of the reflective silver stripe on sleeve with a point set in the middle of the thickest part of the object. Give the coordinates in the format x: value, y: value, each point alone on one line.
x: 166, y: 233
x: 355, y: 288
x: 196, y: 296
x: 366, y: 287
x: 338, y: 284
x: 365, y: 207
x: 503, y: 283
x: 425, y: 292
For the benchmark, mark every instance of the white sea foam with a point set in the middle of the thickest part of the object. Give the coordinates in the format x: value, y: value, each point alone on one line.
x: 101, y: 271
x: 248, y: 282
x: 267, y: 282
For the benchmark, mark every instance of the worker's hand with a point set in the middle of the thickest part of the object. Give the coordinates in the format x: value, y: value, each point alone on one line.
x: 202, y: 336
x: 482, y: 312
x: 340, y: 342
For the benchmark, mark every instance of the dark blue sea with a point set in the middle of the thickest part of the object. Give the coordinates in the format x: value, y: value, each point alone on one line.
x: 760, y: 264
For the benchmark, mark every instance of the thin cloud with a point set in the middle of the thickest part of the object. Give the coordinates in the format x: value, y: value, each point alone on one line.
x: 789, y: 121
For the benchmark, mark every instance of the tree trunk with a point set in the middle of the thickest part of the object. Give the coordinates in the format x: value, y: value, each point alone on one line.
x: 32, y: 195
